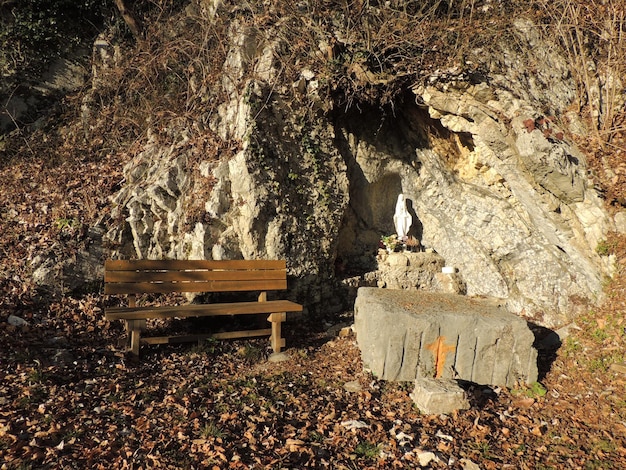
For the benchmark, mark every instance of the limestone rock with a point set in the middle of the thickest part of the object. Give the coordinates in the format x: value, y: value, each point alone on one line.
x: 279, y: 357
x: 83, y: 270
x: 439, y: 396
x: 492, y: 184
x: 404, y: 335
x: 620, y: 222
x: 449, y: 283
x: 411, y: 271
x: 14, y: 320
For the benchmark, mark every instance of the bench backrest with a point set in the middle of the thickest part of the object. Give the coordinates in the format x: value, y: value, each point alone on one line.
x: 165, y: 276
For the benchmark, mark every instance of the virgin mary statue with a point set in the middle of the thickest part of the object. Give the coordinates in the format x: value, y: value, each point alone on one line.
x: 402, y: 219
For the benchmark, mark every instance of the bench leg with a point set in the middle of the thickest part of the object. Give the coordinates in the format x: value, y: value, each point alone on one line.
x: 133, y: 328
x: 275, y: 340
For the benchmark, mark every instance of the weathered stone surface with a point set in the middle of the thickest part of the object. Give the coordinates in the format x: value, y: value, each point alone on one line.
x: 450, y: 283
x: 404, y: 335
x: 16, y: 321
x: 279, y: 357
x: 408, y: 270
x: 281, y: 196
x: 439, y: 396
x: 62, y: 74
x: 503, y: 196
x: 59, y: 274
x: 620, y: 222
x: 491, y: 184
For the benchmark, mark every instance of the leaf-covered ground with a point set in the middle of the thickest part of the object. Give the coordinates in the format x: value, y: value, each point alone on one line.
x: 70, y: 399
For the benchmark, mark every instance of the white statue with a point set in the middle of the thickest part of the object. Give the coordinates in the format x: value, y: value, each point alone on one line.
x: 402, y: 219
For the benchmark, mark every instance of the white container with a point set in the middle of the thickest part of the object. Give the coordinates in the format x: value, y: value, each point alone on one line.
x: 448, y: 270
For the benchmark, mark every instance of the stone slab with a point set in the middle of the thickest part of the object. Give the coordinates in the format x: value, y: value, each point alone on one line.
x: 404, y: 335
x: 439, y: 396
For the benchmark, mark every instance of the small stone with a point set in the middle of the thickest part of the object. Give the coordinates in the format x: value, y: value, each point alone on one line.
x: 346, y: 332
x: 352, y: 386
x: 63, y: 357
x: 439, y: 396
x: 58, y: 341
x: 449, y: 283
x: 16, y: 321
x: 425, y: 458
x: 468, y: 465
x: 278, y: 357
x: 354, y: 424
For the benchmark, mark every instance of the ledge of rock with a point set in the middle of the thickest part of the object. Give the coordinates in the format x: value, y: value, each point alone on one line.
x: 404, y: 335
x: 421, y: 270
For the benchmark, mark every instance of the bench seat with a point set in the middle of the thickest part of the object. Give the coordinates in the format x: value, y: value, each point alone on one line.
x: 201, y: 310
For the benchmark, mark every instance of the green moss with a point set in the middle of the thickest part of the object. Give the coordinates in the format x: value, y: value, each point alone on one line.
x: 367, y: 450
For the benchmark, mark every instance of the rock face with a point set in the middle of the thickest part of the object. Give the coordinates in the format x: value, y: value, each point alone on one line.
x: 404, y: 335
x: 492, y: 184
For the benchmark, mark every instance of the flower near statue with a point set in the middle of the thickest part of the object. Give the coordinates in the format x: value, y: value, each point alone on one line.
x: 390, y: 242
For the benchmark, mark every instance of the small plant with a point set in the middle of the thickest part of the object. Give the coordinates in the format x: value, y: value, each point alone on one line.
x: 251, y: 353
x: 605, y: 445
x: 599, y: 335
x: 367, y: 450
x: 484, y: 449
x: 211, y: 429
x: 571, y: 346
x: 72, y: 434
x: 208, y: 346
x: 301, y: 353
x: 316, y: 436
x: 534, y: 390
x: 36, y: 375
x: 599, y: 364
x: 604, y: 248
x: 67, y: 225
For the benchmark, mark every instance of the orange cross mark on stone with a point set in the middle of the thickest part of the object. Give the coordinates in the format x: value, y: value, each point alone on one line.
x: 439, y: 350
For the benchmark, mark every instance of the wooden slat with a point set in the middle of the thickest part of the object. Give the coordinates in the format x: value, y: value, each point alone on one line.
x: 195, y: 275
x: 190, y: 338
x: 202, y: 310
x: 131, y: 265
x: 210, y: 286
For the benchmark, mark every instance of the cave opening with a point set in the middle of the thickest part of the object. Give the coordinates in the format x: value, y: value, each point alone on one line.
x: 379, y: 149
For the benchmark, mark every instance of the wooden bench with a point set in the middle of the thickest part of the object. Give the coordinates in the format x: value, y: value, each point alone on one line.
x: 136, y: 277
